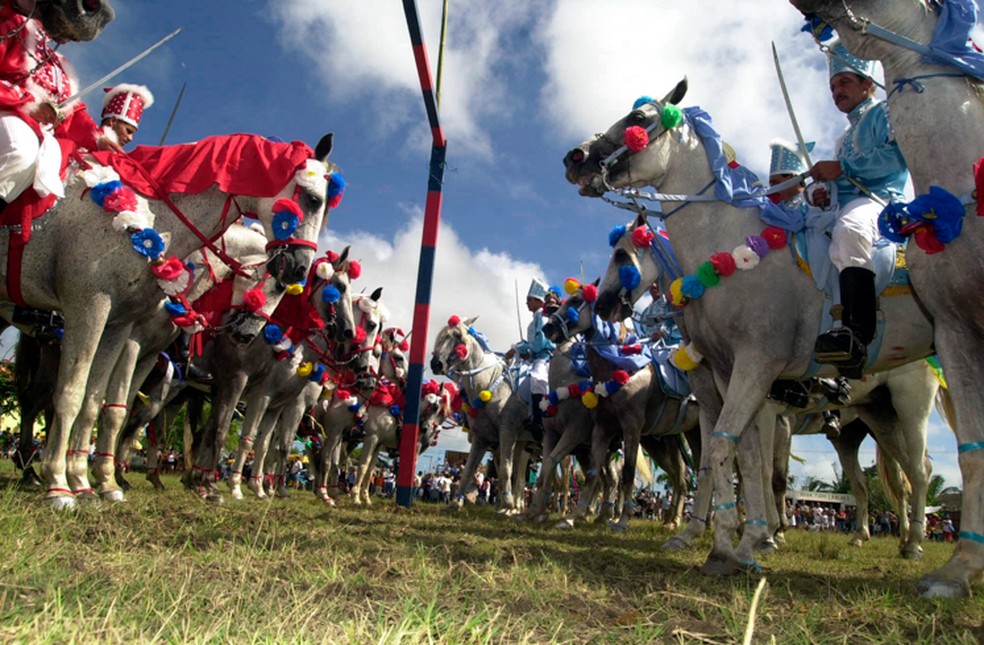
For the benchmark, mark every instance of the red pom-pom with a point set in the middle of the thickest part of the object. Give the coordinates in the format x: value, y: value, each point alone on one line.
x: 629, y: 350
x: 121, y: 199
x: 186, y: 320
x: 551, y: 410
x: 589, y: 292
x: 574, y: 390
x: 642, y: 236
x: 925, y: 237
x: 775, y: 237
x: 170, y: 269
x: 404, y: 346
x: 284, y: 204
x: 636, y: 138
x: 430, y: 387
x: 454, y: 321
x: 354, y: 270
x: 332, y: 256
x: 253, y: 300
x: 723, y: 263
x: 461, y: 351
x: 342, y: 395
x: 360, y: 335
x: 621, y: 377
x: 334, y: 200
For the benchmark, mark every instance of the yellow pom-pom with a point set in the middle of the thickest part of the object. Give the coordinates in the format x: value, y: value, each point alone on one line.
x: 682, y: 360
x: 571, y: 285
x: 590, y: 400
x: 676, y: 292
x: 295, y: 289
x: 485, y: 396
x: 305, y: 369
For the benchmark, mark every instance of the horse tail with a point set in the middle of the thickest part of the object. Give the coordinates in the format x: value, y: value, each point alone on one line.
x: 891, y: 475
x: 644, y: 471
x: 944, y: 405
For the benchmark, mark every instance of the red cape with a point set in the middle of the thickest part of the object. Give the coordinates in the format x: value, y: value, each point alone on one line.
x: 240, y: 164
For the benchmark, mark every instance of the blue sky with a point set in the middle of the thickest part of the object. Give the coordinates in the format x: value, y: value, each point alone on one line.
x: 523, y: 82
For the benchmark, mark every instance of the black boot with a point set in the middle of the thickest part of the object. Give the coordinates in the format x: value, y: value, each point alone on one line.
x: 847, y: 346
x: 189, y: 370
x: 536, y: 422
x: 790, y: 392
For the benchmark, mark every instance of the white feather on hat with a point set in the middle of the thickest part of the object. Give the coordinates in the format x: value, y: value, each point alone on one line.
x: 126, y: 102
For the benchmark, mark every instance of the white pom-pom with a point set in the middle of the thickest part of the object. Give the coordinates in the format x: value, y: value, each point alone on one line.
x: 563, y: 393
x: 99, y: 175
x: 544, y: 404
x: 745, y: 257
x: 325, y: 270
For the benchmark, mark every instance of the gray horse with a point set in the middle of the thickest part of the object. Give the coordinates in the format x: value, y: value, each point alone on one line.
x: 947, y: 283
x: 68, y: 20
x: 757, y: 326
x: 496, y: 412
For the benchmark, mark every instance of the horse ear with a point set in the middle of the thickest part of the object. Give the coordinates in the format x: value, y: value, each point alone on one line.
x: 596, y: 282
x: 323, y: 149
x: 677, y: 93
x: 377, y: 294
x: 343, y: 256
x: 640, y: 220
x: 470, y: 321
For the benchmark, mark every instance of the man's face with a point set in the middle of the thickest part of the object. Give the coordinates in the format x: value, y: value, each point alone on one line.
x: 124, y: 131
x: 848, y: 90
x: 534, y: 304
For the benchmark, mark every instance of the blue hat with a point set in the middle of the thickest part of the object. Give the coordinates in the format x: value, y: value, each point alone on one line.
x: 538, y: 289
x: 840, y: 60
x: 786, y: 158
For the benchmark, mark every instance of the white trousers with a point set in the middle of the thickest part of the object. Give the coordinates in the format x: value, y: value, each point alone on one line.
x: 854, y: 232
x: 538, y: 377
x: 25, y: 162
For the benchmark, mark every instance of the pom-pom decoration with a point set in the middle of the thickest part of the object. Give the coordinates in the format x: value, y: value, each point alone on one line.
x: 324, y: 270
x: 485, y: 396
x: 553, y: 398
x: 120, y: 200
x: 635, y: 138
x: 642, y: 236
x: 294, y: 289
x: 676, y: 293
x: 147, y: 243
x: 174, y: 308
x: 589, y: 292
x: 336, y: 188
x: 672, y: 116
x: 395, y: 410
x: 354, y: 270
x: 284, y: 224
x: 616, y: 234
x: 253, y: 300
x: 775, y: 237
x: 317, y: 374
x: 330, y: 294
x: 332, y: 256
x: 745, y: 258
x: 168, y: 270
x: 621, y: 377
x: 590, y: 400
x: 572, y: 316
x: 642, y: 100
x: 574, y: 391
x: 691, y: 287
x: 708, y: 275
x: 757, y: 244
x: 360, y: 336
x: 284, y: 205
x: 461, y: 351
x: 305, y: 368
x: 100, y: 192
x: 571, y: 285
x: 454, y: 321
x: 686, y: 358
x: 629, y: 277
x: 272, y: 333
x: 724, y: 264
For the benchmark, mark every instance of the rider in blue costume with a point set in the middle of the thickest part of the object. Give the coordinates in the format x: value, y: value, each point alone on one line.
x: 867, y: 154
x: 536, y: 348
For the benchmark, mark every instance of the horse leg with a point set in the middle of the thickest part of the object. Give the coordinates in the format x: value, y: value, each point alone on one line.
x: 668, y: 456
x: 710, y: 406
x: 521, y: 462
x: 600, y: 440
x: 209, y: 445
x: 504, y: 466
x: 247, y: 438
x: 118, y: 397
x: 781, y: 448
x: 767, y: 421
x: 35, y: 372
x: 478, y: 448
x: 258, y: 481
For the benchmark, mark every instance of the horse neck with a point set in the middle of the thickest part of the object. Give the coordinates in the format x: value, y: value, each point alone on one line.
x: 204, y: 211
x: 478, y: 375
x: 561, y: 368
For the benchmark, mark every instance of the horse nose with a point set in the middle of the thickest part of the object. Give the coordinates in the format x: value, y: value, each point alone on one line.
x: 550, y: 331
x: 243, y: 338
x: 575, y: 156
x: 348, y: 333
x: 436, y: 365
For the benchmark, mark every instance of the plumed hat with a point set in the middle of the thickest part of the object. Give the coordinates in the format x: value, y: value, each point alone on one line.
x: 538, y: 289
x: 126, y: 102
x: 840, y: 60
x: 786, y: 158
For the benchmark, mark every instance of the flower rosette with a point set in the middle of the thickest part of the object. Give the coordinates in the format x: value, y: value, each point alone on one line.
x: 745, y: 258
x: 254, y: 300
x: 173, y: 277
x: 287, y: 216
x: 313, y: 177
x: 635, y: 138
x: 121, y: 199
x: 147, y: 243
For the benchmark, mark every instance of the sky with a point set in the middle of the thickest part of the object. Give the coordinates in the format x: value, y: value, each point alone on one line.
x: 522, y: 83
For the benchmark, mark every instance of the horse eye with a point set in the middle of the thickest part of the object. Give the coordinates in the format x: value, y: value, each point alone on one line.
x: 310, y: 202
x: 620, y: 256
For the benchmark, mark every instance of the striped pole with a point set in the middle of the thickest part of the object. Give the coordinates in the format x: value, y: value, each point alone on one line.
x: 425, y: 270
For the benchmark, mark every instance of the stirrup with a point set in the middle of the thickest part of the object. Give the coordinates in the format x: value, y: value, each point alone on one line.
x: 831, y: 424
x: 841, y: 348
x: 790, y: 392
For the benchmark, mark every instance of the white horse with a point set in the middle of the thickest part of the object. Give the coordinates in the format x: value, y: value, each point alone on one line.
x: 495, y: 410
x: 757, y: 325
x: 947, y: 109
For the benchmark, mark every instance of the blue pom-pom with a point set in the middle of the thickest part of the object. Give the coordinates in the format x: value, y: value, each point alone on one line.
x: 585, y: 385
x: 613, y: 386
x: 336, y: 184
x: 572, y: 316
x: 59, y: 333
x: 395, y: 410
x: 629, y: 277
x: 616, y: 234
x: 354, y: 407
x: 100, y: 192
x: 284, y: 224
x: 642, y: 100
x: 891, y: 221
x: 330, y: 294
x: 147, y: 242
x: 317, y: 374
x: 553, y: 398
x: 692, y: 287
x: 272, y: 333
x: 174, y: 308
x: 942, y: 209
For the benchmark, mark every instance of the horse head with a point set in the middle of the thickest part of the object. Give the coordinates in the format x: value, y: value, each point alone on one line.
x: 631, y: 270
x: 436, y: 411
x: 574, y: 316
x: 294, y: 218
x: 68, y: 20
x: 632, y: 148
x: 329, y: 284
x: 393, y: 360
x: 363, y: 352
x: 455, y: 347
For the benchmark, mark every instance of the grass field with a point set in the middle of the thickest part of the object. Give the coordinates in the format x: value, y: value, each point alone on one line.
x: 170, y: 568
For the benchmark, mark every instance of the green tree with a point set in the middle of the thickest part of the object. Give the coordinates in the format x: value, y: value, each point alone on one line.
x: 937, y: 488
x: 8, y: 393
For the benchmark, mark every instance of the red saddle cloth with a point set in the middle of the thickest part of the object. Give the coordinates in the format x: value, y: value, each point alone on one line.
x: 239, y: 164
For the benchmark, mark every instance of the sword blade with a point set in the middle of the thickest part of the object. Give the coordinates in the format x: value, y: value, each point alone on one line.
x: 174, y: 111
x: 133, y: 61
x: 789, y: 108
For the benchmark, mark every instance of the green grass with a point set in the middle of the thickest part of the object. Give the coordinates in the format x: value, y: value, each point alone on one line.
x: 171, y: 568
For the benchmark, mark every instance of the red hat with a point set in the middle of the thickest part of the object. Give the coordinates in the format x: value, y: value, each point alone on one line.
x: 126, y: 102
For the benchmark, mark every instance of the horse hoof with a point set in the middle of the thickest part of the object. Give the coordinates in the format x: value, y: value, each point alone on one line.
x: 767, y: 547
x: 214, y: 498
x: 282, y: 493
x: 565, y: 524
x: 933, y: 587
x: 618, y: 527
x: 717, y: 565
x: 86, y: 495
x: 911, y: 553
x: 856, y: 542
x: 62, y: 503
x: 329, y: 501
x: 676, y: 544
x: 237, y: 493
x: 114, y: 496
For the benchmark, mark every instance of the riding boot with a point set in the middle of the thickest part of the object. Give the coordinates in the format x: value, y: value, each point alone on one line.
x: 790, y: 392
x: 847, y: 346
x: 832, y: 423
x: 190, y: 371
x: 536, y: 423
x: 43, y: 324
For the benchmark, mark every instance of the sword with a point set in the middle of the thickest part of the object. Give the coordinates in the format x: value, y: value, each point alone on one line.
x: 174, y: 111
x: 799, y: 135
x: 133, y: 61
